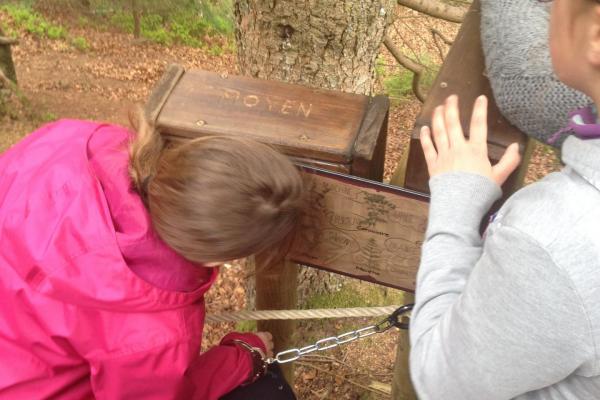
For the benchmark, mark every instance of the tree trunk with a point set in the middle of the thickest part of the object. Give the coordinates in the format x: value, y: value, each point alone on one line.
x: 330, y: 44
x: 137, y: 18
x: 6, y: 62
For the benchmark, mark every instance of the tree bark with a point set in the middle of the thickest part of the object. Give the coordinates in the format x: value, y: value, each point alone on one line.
x: 329, y: 44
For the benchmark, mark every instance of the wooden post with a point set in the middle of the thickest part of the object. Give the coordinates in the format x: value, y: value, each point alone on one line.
x: 402, y: 388
x: 276, y: 289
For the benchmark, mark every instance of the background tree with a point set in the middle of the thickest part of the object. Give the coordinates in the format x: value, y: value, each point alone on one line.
x: 8, y: 74
x: 6, y: 62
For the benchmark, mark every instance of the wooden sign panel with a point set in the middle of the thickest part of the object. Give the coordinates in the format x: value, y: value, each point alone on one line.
x: 363, y: 229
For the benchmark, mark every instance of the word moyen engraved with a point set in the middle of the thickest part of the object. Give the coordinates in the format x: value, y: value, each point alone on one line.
x: 272, y: 104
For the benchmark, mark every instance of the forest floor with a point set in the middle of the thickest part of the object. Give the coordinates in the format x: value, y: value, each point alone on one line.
x: 115, y: 72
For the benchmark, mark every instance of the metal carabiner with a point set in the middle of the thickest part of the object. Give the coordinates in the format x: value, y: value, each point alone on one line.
x: 396, y: 318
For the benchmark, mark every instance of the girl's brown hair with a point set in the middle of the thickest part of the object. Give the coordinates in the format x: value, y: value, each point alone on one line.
x: 215, y: 198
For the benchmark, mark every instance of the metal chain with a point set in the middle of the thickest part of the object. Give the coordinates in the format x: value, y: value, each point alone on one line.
x: 395, y: 319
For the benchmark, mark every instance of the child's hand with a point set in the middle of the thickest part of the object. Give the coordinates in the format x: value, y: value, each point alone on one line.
x: 453, y: 152
x: 267, y: 339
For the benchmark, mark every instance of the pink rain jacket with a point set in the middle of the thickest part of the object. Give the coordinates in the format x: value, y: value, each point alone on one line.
x: 77, y: 321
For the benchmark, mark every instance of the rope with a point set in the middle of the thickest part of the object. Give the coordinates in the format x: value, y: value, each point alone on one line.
x: 247, y: 315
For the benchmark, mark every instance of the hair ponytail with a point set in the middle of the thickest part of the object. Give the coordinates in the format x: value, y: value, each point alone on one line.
x: 144, y: 151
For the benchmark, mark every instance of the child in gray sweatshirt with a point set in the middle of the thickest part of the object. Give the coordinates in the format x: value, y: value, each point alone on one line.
x: 515, y: 313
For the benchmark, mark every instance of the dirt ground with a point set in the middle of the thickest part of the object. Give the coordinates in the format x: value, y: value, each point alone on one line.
x: 104, y: 82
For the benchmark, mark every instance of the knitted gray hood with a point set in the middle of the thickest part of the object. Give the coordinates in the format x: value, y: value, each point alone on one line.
x: 515, y: 43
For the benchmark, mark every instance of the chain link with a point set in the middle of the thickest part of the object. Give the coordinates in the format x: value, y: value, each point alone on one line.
x: 397, y: 319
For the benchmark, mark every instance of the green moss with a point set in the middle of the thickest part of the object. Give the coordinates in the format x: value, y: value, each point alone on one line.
x: 162, y: 21
x: 56, y: 32
x: 185, y: 23
x: 47, y: 117
x: 215, y: 50
x: 398, y: 85
x: 245, y: 326
x: 24, y: 18
x: 352, y: 294
x: 356, y: 294
x: 80, y: 43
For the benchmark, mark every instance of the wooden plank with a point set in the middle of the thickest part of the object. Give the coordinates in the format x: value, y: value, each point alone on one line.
x: 301, y: 121
x: 329, y: 166
x: 463, y: 73
x: 369, y: 147
x: 402, y: 388
x: 363, y: 229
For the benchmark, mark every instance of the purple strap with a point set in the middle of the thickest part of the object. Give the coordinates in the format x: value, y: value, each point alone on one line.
x: 583, y: 123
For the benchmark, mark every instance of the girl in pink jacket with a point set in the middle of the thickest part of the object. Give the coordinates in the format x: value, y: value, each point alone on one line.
x: 106, y: 243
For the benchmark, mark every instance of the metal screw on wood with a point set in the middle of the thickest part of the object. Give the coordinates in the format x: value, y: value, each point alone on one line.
x: 303, y: 137
x: 224, y: 75
x: 200, y: 122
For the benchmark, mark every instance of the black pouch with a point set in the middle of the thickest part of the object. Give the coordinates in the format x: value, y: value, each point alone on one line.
x: 272, y: 386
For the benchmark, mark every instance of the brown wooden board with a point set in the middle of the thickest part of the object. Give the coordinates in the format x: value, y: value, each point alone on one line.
x: 463, y: 73
x: 369, y: 148
x: 360, y: 228
x: 301, y: 121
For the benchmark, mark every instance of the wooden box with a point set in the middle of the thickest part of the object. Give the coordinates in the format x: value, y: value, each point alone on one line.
x: 332, y: 130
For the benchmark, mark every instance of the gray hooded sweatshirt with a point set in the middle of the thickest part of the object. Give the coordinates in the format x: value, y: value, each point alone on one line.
x: 516, y: 313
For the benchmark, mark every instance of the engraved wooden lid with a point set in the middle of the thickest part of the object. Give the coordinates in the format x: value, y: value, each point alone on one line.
x: 301, y: 121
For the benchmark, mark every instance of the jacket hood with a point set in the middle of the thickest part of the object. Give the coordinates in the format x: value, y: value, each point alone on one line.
x: 73, y: 229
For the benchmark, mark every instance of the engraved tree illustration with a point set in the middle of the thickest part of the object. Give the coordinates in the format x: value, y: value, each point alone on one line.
x: 313, y: 219
x: 378, y: 210
x: 371, y: 257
